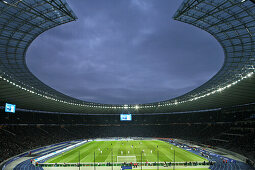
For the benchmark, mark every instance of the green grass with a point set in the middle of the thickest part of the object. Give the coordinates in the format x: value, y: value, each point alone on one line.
x: 121, y: 148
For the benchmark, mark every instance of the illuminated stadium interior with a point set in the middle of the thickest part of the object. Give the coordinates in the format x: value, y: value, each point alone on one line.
x: 231, y: 24
x: 216, y: 106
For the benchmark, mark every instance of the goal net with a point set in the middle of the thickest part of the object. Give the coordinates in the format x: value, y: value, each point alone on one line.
x: 121, y: 159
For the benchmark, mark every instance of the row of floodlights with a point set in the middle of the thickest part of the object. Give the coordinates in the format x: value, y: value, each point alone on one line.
x: 176, y: 102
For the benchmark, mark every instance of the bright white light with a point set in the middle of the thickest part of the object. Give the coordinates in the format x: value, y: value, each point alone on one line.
x: 175, y: 102
x: 195, y: 97
x: 250, y: 74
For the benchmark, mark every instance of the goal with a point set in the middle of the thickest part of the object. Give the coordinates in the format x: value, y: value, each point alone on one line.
x: 121, y: 159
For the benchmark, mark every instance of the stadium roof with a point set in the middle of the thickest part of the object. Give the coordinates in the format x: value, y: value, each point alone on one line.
x: 231, y: 22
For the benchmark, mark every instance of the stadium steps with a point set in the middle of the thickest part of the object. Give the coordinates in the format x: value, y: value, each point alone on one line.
x: 7, y: 131
x: 43, y: 130
x: 220, y: 140
x: 69, y: 131
x: 233, y: 134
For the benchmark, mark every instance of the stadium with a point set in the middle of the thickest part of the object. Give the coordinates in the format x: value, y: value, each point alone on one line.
x: 210, y: 127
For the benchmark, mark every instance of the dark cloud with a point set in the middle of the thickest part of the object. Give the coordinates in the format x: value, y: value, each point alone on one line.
x: 125, y: 52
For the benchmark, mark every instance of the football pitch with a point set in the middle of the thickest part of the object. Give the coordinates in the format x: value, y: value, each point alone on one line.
x: 126, y: 151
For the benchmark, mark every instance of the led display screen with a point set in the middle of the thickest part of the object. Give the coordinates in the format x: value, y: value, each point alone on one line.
x: 10, y: 108
x: 125, y: 117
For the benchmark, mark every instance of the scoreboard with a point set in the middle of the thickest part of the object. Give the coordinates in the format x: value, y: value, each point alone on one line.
x: 10, y: 108
x: 125, y: 117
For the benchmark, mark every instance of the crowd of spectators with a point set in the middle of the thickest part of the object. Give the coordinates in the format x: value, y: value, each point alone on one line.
x: 19, y: 139
x: 237, y: 136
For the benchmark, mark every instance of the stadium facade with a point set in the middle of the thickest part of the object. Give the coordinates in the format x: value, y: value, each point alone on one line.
x: 231, y: 22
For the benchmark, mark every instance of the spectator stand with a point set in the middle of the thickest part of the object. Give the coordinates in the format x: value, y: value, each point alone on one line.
x: 37, y: 153
x: 216, y: 161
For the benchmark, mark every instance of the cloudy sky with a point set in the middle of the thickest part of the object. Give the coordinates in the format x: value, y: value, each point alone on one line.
x: 124, y: 52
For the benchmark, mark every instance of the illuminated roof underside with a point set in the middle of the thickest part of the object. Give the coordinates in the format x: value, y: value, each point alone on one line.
x: 231, y: 22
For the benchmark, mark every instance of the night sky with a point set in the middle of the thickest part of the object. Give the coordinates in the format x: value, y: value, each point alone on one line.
x: 125, y: 52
